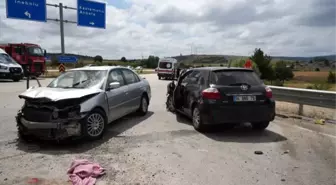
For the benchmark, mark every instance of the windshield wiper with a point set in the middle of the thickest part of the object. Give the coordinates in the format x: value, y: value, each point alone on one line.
x: 78, y: 83
x: 237, y: 84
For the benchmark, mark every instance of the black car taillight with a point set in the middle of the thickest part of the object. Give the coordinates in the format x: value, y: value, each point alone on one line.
x: 269, y: 93
x: 211, y: 93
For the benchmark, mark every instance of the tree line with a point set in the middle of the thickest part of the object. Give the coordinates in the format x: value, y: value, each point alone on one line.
x: 262, y: 64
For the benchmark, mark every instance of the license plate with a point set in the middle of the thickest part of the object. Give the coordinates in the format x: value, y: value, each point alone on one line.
x: 243, y: 98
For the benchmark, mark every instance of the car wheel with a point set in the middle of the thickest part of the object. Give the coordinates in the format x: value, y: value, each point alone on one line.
x: 260, y: 125
x: 94, y: 125
x: 159, y: 77
x: 22, y: 135
x: 16, y: 79
x: 169, y: 104
x: 143, y: 108
x: 197, y: 120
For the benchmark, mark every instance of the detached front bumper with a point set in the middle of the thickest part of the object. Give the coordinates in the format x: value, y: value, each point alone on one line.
x: 58, y: 129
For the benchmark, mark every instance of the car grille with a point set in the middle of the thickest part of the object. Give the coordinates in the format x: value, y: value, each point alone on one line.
x: 37, y: 115
x: 38, y: 67
x: 15, y: 70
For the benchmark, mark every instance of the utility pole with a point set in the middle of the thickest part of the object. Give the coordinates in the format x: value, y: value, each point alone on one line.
x: 62, y: 21
x: 61, y: 27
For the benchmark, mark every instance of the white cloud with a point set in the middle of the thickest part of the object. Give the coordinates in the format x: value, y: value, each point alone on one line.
x: 165, y: 28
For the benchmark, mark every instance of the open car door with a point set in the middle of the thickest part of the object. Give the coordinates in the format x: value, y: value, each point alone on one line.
x: 178, y: 92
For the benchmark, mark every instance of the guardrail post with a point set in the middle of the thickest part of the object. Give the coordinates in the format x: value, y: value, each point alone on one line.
x: 300, y: 109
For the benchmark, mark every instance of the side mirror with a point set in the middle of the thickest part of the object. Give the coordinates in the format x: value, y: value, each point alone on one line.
x: 45, y: 53
x: 113, y: 85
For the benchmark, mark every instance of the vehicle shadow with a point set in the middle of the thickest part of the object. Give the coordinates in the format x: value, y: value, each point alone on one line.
x: 80, y: 145
x: 242, y: 133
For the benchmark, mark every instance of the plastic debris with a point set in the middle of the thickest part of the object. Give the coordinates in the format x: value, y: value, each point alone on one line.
x: 320, y: 121
x: 33, y: 181
x: 258, y: 152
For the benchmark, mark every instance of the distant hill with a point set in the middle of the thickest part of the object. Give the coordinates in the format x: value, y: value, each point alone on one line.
x: 207, y: 58
x: 86, y: 57
x: 328, y: 57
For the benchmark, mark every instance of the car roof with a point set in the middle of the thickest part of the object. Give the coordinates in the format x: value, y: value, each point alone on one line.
x: 98, y: 68
x: 222, y: 69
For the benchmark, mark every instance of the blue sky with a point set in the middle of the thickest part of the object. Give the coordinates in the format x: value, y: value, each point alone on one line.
x: 121, y: 4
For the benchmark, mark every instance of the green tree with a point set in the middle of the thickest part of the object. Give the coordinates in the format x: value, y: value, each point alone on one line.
x: 123, y: 59
x: 282, y: 72
x: 98, y: 58
x: 317, y: 69
x: 331, y: 77
x: 151, y: 62
x: 263, y: 62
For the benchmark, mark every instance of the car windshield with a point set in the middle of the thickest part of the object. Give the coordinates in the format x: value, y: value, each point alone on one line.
x: 35, y: 51
x: 226, y: 77
x: 6, y: 59
x: 165, y: 65
x: 79, y: 79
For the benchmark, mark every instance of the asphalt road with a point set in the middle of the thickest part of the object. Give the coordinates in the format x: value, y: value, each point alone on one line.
x: 162, y: 148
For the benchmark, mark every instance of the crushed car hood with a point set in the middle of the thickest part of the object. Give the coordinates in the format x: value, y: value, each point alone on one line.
x: 56, y: 94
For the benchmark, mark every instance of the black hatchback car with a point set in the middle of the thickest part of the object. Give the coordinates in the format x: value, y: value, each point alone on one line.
x: 220, y: 95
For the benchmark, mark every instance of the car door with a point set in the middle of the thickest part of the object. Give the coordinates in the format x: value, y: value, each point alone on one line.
x: 117, y: 97
x: 134, y: 92
x: 191, y: 88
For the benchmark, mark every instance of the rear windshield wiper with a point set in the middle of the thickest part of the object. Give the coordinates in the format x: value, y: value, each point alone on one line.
x: 237, y: 84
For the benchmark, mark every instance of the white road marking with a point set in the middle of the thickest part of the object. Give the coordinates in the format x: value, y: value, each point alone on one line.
x: 324, y: 134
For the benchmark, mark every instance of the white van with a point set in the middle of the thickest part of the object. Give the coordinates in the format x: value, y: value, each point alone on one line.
x: 9, y: 68
x: 166, y: 68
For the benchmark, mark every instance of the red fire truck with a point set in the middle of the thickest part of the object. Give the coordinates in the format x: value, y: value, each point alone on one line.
x: 29, y: 56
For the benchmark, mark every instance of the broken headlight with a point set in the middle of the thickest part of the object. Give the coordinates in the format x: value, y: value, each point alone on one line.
x: 74, y: 112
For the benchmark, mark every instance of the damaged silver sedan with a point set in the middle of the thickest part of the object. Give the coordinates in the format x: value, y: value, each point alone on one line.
x: 81, y: 102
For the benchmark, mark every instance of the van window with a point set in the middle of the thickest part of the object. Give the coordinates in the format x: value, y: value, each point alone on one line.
x: 6, y: 59
x: 165, y: 65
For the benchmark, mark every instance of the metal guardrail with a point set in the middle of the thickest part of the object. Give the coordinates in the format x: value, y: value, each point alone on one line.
x: 326, y: 99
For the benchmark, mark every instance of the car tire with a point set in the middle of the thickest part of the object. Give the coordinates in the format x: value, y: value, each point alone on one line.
x: 169, y: 104
x: 94, y: 125
x: 159, y: 77
x: 21, y: 131
x: 16, y: 79
x: 197, y: 120
x: 143, y: 107
x: 260, y: 125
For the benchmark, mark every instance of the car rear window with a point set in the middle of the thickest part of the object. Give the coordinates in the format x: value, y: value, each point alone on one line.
x: 165, y: 65
x: 227, y: 77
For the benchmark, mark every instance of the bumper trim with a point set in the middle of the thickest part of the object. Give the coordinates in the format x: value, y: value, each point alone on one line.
x: 40, y: 125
